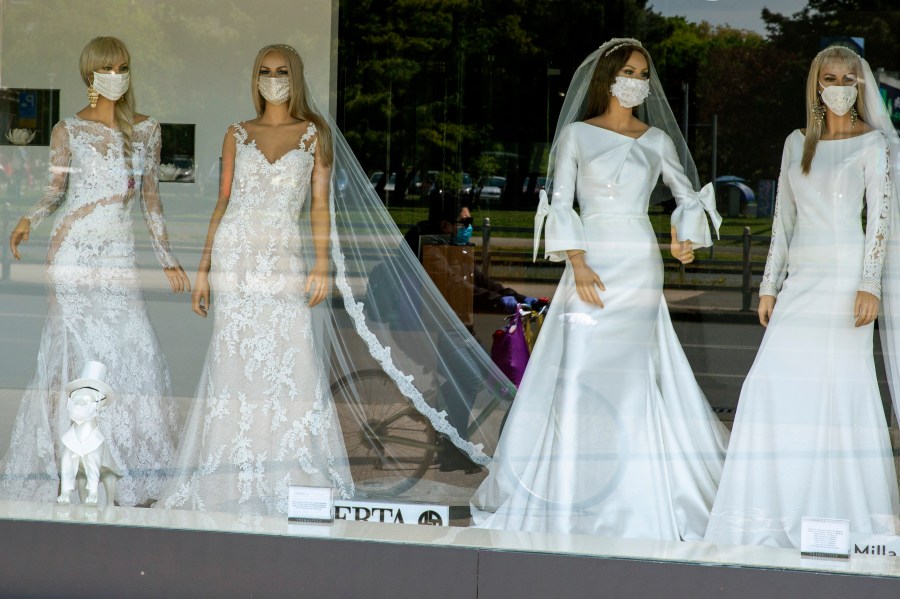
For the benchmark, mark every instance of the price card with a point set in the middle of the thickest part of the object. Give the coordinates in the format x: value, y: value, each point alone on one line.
x: 824, y: 537
x: 310, y: 504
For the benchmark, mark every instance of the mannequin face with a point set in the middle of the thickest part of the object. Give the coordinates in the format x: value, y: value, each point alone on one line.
x: 636, y: 67
x: 274, y: 65
x: 837, y: 73
x: 118, y: 67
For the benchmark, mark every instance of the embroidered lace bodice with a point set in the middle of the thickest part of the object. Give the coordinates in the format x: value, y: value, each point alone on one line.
x: 88, y: 171
x: 817, y: 215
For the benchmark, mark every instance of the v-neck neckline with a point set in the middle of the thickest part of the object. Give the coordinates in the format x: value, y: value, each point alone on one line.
x: 252, y: 143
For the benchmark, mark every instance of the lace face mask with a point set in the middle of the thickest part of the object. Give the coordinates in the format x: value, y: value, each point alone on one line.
x: 839, y: 98
x: 111, y: 86
x: 630, y: 92
x: 276, y: 90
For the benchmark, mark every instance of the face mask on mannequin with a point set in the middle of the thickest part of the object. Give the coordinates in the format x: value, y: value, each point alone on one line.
x: 630, y: 92
x: 111, y: 86
x: 839, y: 98
x: 276, y: 90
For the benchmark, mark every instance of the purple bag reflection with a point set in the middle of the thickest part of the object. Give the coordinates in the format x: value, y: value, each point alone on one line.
x: 509, y: 349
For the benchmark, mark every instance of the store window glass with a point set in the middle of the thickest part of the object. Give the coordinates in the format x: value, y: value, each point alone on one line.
x: 607, y: 272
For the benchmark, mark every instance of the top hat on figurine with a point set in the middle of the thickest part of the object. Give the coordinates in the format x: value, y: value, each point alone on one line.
x: 93, y: 375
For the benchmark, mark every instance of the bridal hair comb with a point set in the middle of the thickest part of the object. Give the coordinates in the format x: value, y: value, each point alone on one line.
x: 622, y: 42
x: 282, y: 47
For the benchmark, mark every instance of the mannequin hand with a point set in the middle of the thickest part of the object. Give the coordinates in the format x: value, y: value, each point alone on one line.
x: 683, y: 251
x: 866, y: 308
x: 317, y: 283
x: 585, y: 280
x: 19, y: 234
x: 766, y: 305
x: 177, y: 279
x: 200, y: 297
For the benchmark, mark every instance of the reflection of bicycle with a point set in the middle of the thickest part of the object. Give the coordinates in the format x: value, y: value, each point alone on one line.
x: 390, y: 445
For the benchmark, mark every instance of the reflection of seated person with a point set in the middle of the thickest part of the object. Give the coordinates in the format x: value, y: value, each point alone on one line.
x: 453, y: 226
x: 450, y: 225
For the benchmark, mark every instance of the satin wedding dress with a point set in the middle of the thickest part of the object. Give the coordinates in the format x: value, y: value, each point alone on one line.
x: 610, y: 434
x: 97, y: 312
x: 263, y: 418
x: 810, y: 436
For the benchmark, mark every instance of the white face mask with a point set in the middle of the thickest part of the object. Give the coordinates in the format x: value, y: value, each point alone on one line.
x: 111, y: 86
x: 276, y: 90
x: 630, y: 92
x: 839, y: 98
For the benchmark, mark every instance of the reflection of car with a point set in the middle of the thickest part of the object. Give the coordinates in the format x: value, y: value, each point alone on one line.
x: 185, y: 165
x: 467, y: 186
x: 490, y: 190
x: 377, y: 178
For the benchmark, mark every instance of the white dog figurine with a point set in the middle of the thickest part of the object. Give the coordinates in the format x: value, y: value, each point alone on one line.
x: 83, y: 444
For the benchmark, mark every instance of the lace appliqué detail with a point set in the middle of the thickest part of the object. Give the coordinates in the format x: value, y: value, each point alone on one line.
x: 874, y: 261
x: 769, y: 284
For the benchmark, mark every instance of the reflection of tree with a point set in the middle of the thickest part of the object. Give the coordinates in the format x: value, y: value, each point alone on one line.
x: 457, y: 78
x: 446, y: 80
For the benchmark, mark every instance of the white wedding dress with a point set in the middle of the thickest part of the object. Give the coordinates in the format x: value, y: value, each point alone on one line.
x: 263, y: 418
x: 810, y: 436
x: 609, y: 433
x: 97, y: 312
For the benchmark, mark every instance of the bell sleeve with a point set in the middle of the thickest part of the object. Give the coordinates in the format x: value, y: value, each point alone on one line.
x: 782, y: 231
x: 564, y: 228
x: 151, y: 205
x: 879, y: 190
x: 60, y: 164
x: 689, y: 217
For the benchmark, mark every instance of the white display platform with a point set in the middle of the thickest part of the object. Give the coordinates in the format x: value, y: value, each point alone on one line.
x: 50, y: 549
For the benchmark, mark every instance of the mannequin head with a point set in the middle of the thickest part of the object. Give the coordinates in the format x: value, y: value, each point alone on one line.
x: 836, y: 65
x: 625, y: 60
x: 284, y: 61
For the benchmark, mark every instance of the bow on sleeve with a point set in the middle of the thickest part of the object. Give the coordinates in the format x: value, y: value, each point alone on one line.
x: 540, y: 216
x: 689, y: 219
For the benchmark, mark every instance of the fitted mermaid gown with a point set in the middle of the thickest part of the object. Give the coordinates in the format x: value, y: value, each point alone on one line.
x: 810, y: 436
x: 263, y: 418
x: 609, y: 433
x: 97, y: 312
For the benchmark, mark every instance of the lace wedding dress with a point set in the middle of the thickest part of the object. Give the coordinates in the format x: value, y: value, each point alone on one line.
x: 263, y: 418
x: 97, y: 312
x: 810, y: 436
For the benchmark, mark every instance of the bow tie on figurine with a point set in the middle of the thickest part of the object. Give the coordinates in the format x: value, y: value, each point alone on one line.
x: 85, y: 455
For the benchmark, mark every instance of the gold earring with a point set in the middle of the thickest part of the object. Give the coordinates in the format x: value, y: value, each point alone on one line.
x: 854, y: 116
x: 92, y: 96
x: 818, y: 113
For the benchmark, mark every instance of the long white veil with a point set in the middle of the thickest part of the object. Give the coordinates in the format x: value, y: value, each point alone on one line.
x: 889, y: 318
x: 405, y: 372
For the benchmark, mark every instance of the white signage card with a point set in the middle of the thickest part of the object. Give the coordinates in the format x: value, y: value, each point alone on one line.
x: 310, y: 504
x: 399, y: 513
x: 824, y: 537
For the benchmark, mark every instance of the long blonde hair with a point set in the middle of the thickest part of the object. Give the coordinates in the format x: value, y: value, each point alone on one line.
x: 97, y: 54
x: 834, y: 54
x: 298, y: 105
